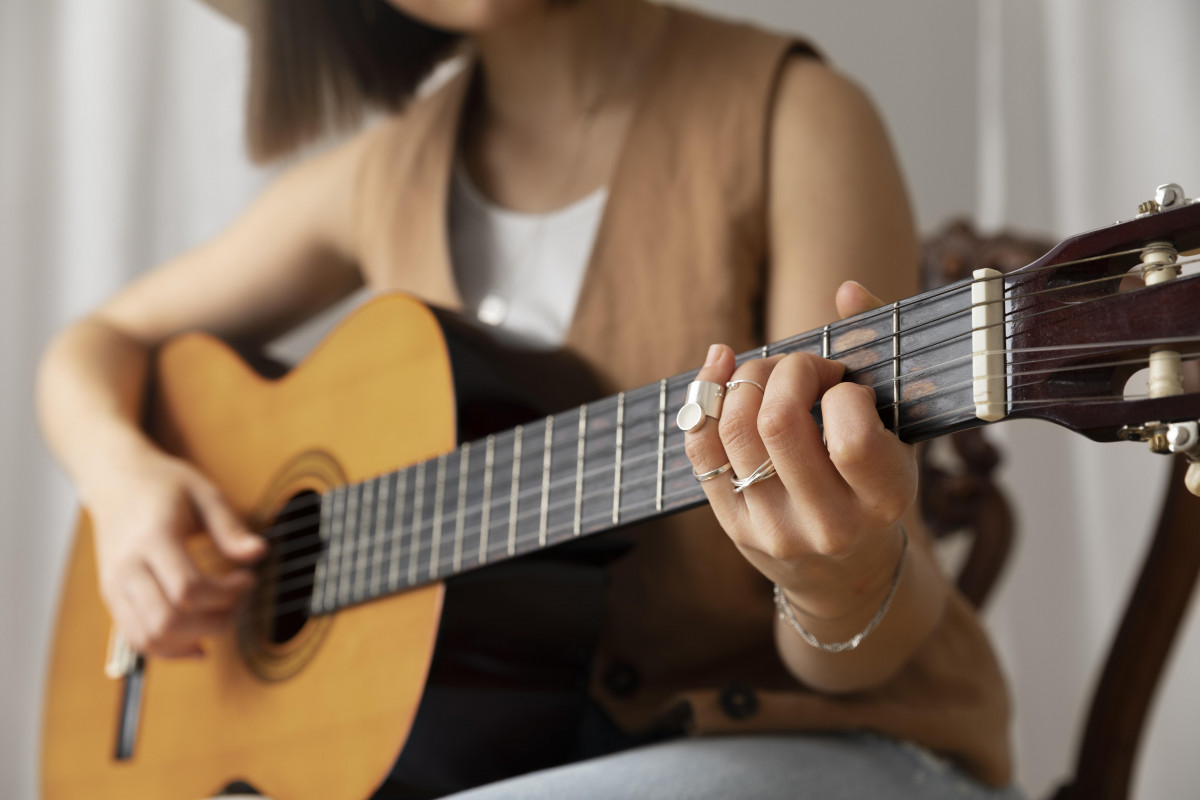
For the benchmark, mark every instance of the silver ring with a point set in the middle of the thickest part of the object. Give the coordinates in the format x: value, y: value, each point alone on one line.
x: 712, y: 473
x: 765, y: 470
x: 734, y: 384
x: 704, y: 399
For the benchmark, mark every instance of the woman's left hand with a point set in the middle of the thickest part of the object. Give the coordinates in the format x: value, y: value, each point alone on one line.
x: 826, y: 527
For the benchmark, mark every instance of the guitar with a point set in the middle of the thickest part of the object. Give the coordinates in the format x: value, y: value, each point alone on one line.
x: 371, y: 504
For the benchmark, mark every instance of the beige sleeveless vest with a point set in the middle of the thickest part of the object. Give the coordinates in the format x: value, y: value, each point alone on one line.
x: 678, y: 264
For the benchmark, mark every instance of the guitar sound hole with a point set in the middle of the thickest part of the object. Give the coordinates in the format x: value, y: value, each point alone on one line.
x: 286, y: 583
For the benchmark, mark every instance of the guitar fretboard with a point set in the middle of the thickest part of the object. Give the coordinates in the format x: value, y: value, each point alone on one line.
x: 614, y: 462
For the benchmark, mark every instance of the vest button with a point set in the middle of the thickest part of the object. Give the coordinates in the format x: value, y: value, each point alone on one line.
x: 621, y: 679
x: 738, y: 701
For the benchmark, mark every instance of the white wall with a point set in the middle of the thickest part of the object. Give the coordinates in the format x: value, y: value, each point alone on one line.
x: 119, y: 125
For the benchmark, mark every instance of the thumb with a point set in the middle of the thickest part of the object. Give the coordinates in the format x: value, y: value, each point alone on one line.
x: 853, y: 298
x: 230, y: 535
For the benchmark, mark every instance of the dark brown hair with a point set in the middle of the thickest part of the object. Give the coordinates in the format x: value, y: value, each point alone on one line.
x: 317, y: 65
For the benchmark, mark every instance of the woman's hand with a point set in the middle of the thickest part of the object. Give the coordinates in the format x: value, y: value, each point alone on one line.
x: 158, y: 598
x: 826, y: 528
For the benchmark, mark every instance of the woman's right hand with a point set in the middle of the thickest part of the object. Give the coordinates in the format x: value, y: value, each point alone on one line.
x: 159, y: 599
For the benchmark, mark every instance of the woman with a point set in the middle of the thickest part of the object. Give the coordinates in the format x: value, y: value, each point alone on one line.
x: 667, y: 179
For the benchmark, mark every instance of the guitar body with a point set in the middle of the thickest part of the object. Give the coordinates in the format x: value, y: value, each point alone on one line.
x: 325, y: 713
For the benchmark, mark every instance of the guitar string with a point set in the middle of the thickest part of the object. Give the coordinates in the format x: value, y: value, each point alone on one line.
x: 634, y: 396
x: 505, y: 466
x: 502, y: 543
x: 286, y: 524
x: 888, y: 310
x: 303, y: 583
x: 646, y: 391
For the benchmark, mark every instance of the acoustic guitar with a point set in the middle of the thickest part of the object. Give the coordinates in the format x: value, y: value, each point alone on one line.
x: 375, y: 493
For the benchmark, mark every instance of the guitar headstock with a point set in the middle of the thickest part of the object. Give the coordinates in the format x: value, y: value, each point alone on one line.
x: 1101, y: 307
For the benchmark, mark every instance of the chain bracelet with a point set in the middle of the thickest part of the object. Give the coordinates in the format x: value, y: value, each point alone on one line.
x: 785, y: 611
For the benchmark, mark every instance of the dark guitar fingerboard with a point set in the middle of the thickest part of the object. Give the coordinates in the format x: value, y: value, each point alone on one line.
x: 613, y: 462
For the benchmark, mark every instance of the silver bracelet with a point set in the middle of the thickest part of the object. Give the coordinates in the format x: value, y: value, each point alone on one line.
x: 785, y: 611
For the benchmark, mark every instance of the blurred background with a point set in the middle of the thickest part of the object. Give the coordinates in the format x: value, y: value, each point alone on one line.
x: 120, y: 126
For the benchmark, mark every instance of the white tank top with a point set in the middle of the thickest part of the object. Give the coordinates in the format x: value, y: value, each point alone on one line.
x: 521, y: 272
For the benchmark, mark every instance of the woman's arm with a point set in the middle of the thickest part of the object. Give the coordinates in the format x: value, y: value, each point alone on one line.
x: 826, y: 529
x: 291, y: 254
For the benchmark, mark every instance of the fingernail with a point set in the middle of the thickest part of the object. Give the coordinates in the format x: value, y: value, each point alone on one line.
x: 714, y: 352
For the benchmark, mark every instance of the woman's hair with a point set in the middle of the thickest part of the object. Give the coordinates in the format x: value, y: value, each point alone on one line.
x: 317, y: 65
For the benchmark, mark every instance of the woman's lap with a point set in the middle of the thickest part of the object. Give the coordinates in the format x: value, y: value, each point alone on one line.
x: 827, y: 766
x: 836, y: 766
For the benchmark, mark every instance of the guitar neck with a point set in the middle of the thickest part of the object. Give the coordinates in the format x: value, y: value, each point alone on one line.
x: 613, y: 462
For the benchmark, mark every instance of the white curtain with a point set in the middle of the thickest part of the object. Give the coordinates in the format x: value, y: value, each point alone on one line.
x: 120, y: 128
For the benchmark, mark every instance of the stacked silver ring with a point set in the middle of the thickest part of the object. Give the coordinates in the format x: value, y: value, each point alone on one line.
x: 765, y: 470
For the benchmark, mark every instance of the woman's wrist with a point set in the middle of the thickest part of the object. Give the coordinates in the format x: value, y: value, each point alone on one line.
x: 834, y: 593
x: 111, y: 458
x: 788, y: 613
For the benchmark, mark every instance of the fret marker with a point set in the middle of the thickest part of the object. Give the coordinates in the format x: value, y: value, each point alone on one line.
x: 987, y: 344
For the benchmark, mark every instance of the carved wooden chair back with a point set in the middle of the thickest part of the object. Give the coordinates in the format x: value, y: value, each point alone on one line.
x: 959, y: 495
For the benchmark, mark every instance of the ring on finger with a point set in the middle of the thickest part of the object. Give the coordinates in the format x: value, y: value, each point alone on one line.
x: 703, y: 400
x: 731, y: 385
x: 712, y: 473
x: 765, y: 470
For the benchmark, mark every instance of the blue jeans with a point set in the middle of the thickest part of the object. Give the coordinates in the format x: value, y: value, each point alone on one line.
x: 837, y: 766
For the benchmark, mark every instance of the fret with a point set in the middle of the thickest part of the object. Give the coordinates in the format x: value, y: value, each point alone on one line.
x: 616, y: 507
x: 500, y: 498
x: 765, y: 352
x: 639, y: 456
x: 438, y: 498
x: 489, y: 460
x: 460, y: 521
x: 381, y: 538
x: 350, y: 527
x: 580, y: 454
x: 335, y: 546
x: 317, y: 604
x: 564, y: 486
x: 935, y: 362
x: 825, y: 342
x: 398, y: 529
x: 529, y: 497
x: 414, y: 546
x: 366, y: 528
x: 514, y: 490
x: 598, y: 488
x: 662, y: 435
x: 895, y: 367
x: 547, y: 449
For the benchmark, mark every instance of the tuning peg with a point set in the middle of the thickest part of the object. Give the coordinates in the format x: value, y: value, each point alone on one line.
x: 1192, y: 479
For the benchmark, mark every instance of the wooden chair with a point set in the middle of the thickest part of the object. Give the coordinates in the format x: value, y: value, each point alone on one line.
x: 965, y: 498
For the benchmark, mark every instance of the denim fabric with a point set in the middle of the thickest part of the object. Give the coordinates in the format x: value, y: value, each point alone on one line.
x: 842, y: 766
